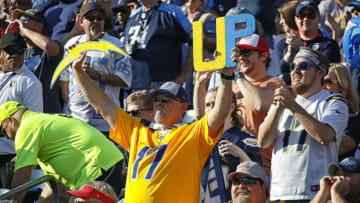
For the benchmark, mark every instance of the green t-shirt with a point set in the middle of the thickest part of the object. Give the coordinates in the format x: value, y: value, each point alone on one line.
x: 65, y: 147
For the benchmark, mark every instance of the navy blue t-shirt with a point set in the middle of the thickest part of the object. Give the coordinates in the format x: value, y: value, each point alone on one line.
x: 153, y: 39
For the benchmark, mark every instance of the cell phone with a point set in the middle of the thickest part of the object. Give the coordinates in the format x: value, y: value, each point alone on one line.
x: 87, y: 61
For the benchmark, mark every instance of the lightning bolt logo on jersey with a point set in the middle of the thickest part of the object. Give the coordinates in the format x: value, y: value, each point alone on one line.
x: 163, y: 166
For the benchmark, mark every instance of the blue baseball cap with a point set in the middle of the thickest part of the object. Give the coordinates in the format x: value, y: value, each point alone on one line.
x: 349, y: 164
x: 171, y: 89
x: 307, y: 4
x: 354, y: 3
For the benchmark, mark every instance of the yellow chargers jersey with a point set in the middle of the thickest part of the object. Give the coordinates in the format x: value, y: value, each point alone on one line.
x: 163, y: 168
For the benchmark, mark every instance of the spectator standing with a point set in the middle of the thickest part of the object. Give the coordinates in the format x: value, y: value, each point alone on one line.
x: 256, y: 86
x: 235, y: 145
x: 47, y: 140
x: 306, y: 131
x: 154, y: 36
x: 338, y: 80
x: 249, y: 183
x: 307, y: 19
x: 41, y: 56
x: 109, y: 71
x: 159, y: 151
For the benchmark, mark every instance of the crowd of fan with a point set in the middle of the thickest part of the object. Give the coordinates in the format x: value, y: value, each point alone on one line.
x: 281, y: 126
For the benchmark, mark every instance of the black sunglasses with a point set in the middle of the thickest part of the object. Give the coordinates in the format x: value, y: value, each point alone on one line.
x: 92, y: 18
x: 300, y: 66
x: 310, y: 16
x: 165, y: 99
x: 245, y: 52
x: 135, y: 113
x: 246, y: 181
x: 12, y: 51
x: 328, y: 81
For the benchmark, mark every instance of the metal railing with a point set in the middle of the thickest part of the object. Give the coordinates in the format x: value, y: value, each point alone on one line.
x: 31, y: 184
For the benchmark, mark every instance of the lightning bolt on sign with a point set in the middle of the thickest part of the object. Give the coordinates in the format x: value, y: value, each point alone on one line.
x: 75, y: 52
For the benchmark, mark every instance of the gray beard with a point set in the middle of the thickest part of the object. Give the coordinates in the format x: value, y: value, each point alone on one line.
x: 242, y: 199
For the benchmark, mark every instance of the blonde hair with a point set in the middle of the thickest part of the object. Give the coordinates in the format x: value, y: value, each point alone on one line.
x: 346, y: 85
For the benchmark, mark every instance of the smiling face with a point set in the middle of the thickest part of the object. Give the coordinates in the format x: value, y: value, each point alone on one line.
x: 251, y: 60
x: 302, y: 81
x: 248, y: 193
x: 307, y: 21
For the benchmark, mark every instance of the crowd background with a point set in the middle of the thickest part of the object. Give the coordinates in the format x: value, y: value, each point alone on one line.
x: 157, y: 36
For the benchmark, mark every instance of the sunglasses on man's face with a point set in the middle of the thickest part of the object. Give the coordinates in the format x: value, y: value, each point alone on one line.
x: 92, y: 18
x: 302, y: 66
x: 164, y: 99
x: 310, y: 15
x: 246, y: 181
x: 14, y: 50
x: 135, y: 113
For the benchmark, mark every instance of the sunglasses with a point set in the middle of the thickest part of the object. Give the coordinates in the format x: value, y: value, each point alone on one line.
x: 246, y: 181
x: 12, y: 51
x: 135, y: 113
x: 92, y: 18
x: 310, y: 16
x: 165, y: 99
x: 302, y: 66
x: 245, y: 52
x: 328, y: 81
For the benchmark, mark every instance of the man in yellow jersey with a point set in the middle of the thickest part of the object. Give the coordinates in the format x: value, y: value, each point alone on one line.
x: 166, y: 154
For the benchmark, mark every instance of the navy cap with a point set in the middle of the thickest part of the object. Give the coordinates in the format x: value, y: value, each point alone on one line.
x: 307, y: 4
x: 354, y: 3
x: 171, y: 89
x: 350, y: 165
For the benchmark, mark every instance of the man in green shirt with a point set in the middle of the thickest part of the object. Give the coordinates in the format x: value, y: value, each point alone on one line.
x: 67, y: 148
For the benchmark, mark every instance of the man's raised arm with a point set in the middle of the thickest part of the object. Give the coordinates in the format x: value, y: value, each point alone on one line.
x: 97, y: 98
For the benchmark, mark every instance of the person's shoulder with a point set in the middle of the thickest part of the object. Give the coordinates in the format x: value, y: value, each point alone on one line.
x: 111, y: 39
x: 74, y: 40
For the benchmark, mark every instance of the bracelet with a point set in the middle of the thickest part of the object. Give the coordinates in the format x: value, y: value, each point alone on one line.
x: 227, y: 77
x: 239, y: 74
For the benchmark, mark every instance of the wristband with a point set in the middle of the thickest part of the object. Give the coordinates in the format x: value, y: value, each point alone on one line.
x: 239, y: 74
x: 227, y: 77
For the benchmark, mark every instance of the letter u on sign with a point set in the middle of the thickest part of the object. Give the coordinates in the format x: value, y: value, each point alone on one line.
x: 228, y: 30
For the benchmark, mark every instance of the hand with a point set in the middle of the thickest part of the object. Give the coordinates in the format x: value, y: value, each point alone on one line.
x: 228, y: 148
x: 325, y: 185
x: 335, y: 27
x: 78, y: 63
x: 284, y: 97
x: 235, y: 56
x: 340, y: 186
x: 202, y: 77
x: 293, y: 40
x: 92, y: 73
x: 77, y: 29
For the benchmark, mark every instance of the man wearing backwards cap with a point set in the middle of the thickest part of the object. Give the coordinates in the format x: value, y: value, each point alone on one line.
x: 343, y: 184
x: 305, y: 129
x: 165, y: 154
x: 255, y: 85
x: 67, y: 148
x: 249, y: 183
